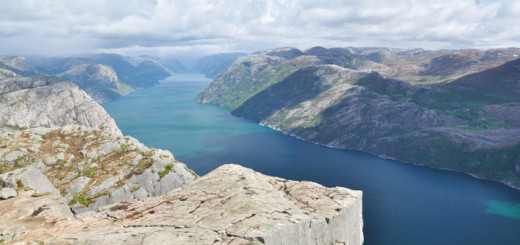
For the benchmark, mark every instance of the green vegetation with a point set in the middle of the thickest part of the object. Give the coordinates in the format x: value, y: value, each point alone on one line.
x: 82, y: 200
x: 87, y: 200
x: 39, y: 194
x: 162, y: 173
x: 15, y: 127
x: 135, y: 188
x: 88, y: 171
x: 190, y: 171
x: 299, y: 86
x: 245, y: 85
x: 166, y: 170
x: 467, y: 127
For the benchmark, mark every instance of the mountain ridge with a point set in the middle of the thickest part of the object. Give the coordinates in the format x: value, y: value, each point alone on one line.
x: 404, y: 105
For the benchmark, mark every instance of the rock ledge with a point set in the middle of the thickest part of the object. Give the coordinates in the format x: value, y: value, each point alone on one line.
x: 231, y: 205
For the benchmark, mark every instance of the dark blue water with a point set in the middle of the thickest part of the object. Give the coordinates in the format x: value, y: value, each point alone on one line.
x: 402, y: 203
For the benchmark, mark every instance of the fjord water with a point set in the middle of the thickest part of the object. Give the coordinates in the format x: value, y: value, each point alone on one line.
x: 402, y: 203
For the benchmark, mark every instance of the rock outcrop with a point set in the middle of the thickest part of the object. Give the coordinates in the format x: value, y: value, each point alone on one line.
x: 89, y: 167
x: 231, y: 205
x: 47, y: 102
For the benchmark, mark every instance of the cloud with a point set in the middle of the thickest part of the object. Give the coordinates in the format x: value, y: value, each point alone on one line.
x: 169, y: 27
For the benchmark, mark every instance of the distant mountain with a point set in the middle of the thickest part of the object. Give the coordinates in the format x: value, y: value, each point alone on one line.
x: 6, y: 73
x: 146, y: 73
x: 170, y: 64
x: 19, y: 65
x: 214, y: 65
x: 449, y: 109
x: 104, y: 76
x: 99, y: 81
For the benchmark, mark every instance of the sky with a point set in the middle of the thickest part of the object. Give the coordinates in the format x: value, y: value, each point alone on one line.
x: 202, y: 27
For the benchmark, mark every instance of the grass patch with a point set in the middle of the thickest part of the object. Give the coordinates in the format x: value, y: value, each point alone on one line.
x: 135, y: 188
x: 166, y: 170
x: 40, y: 194
x: 15, y: 127
x: 87, y: 200
x: 190, y: 171
x: 82, y: 200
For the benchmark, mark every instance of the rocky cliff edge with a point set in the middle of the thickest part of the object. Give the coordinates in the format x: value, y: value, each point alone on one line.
x: 231, y: 205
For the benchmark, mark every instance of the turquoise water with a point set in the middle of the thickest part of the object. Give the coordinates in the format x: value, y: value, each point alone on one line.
x: 402, y: 203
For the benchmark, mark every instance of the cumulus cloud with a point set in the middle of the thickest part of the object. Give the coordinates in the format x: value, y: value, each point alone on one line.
x: 178, y: 27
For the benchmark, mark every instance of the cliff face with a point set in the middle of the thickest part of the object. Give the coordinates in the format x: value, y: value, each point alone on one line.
x: 447, y: 109
x: 47, y: 102
x: 99, y: 81
x: 231, y: 205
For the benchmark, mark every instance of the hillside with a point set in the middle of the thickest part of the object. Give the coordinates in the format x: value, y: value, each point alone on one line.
x: 453, y: 109
x: 49, y: 102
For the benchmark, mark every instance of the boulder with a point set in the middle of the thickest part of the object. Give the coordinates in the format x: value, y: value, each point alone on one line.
x: 7, y: 193
x: 30, y: 177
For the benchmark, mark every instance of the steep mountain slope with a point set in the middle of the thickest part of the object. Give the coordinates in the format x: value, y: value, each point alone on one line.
x: 249, y: 75
x: 99, y: 81
x: 349, y: 98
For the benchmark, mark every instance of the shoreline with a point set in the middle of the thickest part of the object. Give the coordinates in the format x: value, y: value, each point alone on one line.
x: 516, y: 188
